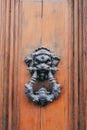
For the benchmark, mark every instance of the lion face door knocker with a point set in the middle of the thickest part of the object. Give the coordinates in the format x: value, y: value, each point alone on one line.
x: 42, y: 66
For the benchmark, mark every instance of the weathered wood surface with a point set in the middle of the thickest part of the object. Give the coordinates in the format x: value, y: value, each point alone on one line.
x: 61, y: 26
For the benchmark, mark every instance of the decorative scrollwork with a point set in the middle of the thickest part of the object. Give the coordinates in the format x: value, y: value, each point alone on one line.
x: 42, y: 66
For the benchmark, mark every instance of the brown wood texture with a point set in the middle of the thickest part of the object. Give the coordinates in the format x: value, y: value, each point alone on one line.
x: 61, y: 26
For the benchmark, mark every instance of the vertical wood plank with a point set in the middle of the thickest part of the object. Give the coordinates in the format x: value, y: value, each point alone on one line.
x: 1, y: 64
x: 71, y: 63
x: 85, y: 63
x: 76, y: 55
x: 4, y: 44
x: 11, y: 66
x: 31, y: 39
x: 58, y: 36
x: 13, y: 122
x: 81, y: 71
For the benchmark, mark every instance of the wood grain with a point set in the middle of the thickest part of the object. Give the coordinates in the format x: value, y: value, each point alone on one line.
x: 31, y: 39
x: 53, y: 37
x: 60, y: 26
x: 4, y: 63
x: 82, y: 65
x: 85, y: 61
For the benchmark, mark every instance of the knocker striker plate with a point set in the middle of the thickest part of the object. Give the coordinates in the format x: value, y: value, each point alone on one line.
x: 42, y: 65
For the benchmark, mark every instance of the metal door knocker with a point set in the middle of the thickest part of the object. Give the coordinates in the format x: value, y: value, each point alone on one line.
x: 42, y: 66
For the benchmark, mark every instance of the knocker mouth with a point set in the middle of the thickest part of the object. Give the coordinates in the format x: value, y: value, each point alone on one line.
x: 42, y: 74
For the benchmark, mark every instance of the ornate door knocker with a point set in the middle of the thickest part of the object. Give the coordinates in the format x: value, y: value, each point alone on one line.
x: 42, y: 66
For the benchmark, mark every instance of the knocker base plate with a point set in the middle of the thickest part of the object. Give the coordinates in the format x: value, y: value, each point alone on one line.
x: 42, y: 66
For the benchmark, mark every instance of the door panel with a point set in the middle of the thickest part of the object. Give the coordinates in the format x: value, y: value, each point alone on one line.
x: 59, y: 25
x: 45, y: 24
x: 31, y: 38
x: 54, y: 38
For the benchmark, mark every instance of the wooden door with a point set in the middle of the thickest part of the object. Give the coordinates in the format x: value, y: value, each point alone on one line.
x: 61, y: 26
